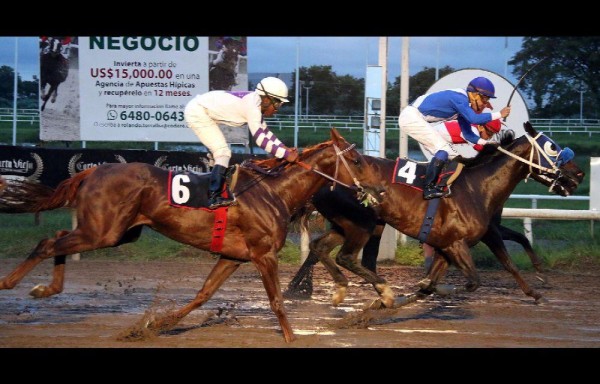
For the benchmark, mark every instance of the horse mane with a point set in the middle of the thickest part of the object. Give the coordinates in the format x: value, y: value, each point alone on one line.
x: 487, y: 154
x: 273, y: 162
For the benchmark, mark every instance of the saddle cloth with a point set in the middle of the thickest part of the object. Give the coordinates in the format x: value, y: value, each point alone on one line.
x: 190, y: 190
x: 412, y: 173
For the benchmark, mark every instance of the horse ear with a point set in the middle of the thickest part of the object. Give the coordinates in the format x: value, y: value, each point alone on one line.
x: 335, y: 135
x: 529, y: 129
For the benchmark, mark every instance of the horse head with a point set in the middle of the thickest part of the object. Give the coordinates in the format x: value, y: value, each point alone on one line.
x: 550, y: 164
x: 358, y: 170
x: 338, y: 161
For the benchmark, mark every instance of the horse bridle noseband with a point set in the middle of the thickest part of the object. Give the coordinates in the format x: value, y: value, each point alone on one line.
x: 535, y: 148
x: 339, y: 154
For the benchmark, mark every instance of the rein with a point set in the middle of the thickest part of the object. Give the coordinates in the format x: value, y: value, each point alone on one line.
x: 339, y: 154
x: 535, y: 148
x: 277, y: 170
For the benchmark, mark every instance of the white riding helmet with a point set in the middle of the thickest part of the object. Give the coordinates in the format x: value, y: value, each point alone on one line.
x: 274, y: 87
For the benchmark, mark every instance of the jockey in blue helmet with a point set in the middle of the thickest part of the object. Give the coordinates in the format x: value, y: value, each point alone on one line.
x: 466, y: 106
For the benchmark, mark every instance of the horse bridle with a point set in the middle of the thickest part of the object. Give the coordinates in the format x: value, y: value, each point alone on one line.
x: 339, y: 154
x: 535, y: 148
x: 362, y: 195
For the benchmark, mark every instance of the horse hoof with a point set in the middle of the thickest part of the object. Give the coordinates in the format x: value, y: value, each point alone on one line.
x: 339, y: 296
x: 541, y: 300
x: 405, y: 300
x: 445, y: 289
x: 376, y: 304
x: 425, y: 283
x: 542, y: 278
x: 38, y: 291
x: 150, y: 322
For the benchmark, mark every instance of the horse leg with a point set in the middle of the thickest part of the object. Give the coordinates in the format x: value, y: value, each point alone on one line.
x: 517, y: 237
x: 322, y: 247
x: 371, y: 248
x: 268, y: 268
x: 54, y: 93
x: 301, y: 285
x: 43, y: 91
x: 36, y: 257
x: 58, y: 276
x: 44, y: 96
x: 217, y: 276
x: 460, y: 254
x: 105, y: 232
x: 347, y: 257
x: 428, y: 285
x: 493, y: 239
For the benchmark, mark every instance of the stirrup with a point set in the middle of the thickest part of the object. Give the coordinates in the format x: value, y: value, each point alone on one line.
x: 220, y: 202
x: 432, y: 193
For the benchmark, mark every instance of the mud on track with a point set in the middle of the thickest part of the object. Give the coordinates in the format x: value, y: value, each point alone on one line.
x: 103, y: 300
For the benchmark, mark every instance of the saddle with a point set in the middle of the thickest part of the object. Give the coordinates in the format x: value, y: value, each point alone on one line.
x: 412, y: 173
x: 189, y: 189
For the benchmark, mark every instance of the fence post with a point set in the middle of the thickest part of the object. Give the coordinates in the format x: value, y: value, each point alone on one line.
x: 75, y: 256
x: 527, y: 221
x: 594, y: 187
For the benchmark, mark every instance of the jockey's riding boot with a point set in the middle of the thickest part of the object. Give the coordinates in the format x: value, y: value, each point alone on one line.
x: 432, y: 190
x: 215, y: 188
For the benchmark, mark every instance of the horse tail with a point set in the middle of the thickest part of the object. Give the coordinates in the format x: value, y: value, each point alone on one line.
x: 27, y: 197
x: 65, y: 193
x: 302, y: 216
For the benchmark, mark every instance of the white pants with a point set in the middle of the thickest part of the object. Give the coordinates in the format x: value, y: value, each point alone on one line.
x: 412, y: 122
x: 208, y: 132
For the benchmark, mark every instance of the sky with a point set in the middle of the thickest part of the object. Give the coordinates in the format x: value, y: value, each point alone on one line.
x: 347, y: 55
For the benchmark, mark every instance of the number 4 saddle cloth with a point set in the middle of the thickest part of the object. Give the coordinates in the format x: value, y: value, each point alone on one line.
x: 412, y: 173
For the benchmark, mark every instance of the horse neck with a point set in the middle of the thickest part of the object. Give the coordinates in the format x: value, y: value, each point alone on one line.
x: 293, y: 188
x: 499, y: 178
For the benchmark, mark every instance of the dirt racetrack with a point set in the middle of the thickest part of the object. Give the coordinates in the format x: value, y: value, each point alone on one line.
x: 103, y: 301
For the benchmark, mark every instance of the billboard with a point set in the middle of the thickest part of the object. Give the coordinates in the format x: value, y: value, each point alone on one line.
x: 134, y: 88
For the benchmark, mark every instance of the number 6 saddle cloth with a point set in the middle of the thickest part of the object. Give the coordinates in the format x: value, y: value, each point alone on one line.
x: 412, y: 173
x: 190, y: 190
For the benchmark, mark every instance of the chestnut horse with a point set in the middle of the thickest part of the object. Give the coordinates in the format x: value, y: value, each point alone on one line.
x: 113, y: 201
x: 461, y: 221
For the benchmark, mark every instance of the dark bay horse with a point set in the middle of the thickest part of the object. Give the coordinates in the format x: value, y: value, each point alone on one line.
x: 462, y: 220
x: 348, y: 218
x: 114, y: 201
x: 54, y: 69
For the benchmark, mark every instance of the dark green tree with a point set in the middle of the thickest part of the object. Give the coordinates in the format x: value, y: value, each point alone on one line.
x: 329, y: 94
x: 28, y: 91
x: 6, y: 86
x: 570, y: 64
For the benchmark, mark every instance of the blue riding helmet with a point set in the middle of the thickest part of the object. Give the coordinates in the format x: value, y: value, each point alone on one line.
x: 482, y: 85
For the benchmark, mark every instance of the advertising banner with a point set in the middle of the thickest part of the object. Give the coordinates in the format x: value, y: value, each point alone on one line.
x: 133, y: 88
x: 50, y: 166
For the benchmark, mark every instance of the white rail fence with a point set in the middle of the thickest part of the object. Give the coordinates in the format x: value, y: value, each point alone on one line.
x: 314, y: 122
x: 527, y: 214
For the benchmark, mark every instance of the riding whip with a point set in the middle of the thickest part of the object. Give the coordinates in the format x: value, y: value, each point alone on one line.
x: 521, y: 79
